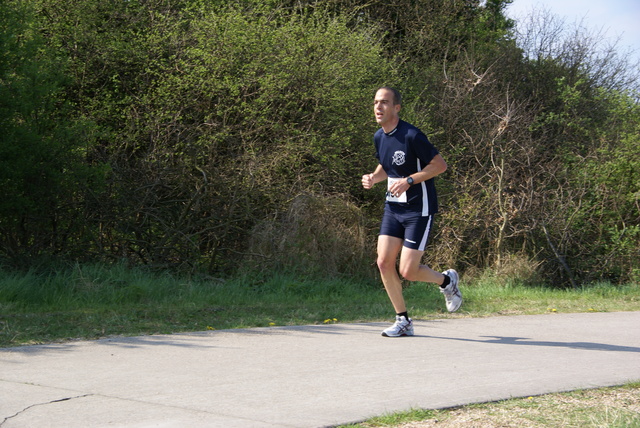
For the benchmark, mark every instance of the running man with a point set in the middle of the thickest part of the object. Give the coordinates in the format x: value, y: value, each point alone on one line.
x: 409, y: 163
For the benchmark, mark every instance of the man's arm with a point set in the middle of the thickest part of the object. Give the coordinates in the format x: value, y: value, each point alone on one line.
x: 368, y: 180
x: 436, y: 167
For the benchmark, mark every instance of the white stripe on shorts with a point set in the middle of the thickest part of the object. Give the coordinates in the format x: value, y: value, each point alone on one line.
x: 425, y: 237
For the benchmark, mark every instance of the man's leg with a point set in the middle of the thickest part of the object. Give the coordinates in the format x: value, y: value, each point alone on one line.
x: 412, y: 270
x: 388, y: 249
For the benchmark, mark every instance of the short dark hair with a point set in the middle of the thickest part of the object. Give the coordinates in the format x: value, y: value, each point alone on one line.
x: 397, y: 98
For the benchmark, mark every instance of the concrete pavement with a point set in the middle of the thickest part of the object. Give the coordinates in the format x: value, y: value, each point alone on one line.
x: 311, y: 376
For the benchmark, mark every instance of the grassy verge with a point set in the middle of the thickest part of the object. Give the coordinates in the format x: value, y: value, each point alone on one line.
x: 93, y: 301
x: 594, y: 408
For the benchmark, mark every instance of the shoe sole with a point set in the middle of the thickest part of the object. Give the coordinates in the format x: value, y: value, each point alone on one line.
x: 398, y: 335
x: 456, y: 308
x: 451, y: 271
x: 404, y: 333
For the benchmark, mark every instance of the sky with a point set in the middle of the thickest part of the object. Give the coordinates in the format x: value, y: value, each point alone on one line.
x: 614, y: 17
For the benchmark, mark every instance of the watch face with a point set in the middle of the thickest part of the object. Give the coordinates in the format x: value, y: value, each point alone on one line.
x: 410, y: 180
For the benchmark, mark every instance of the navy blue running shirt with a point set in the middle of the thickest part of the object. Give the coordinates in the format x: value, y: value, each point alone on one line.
x: 405, y: 151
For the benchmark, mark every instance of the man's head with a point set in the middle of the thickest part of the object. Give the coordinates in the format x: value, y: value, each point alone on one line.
x: 386, y: 107
x: 397, y: 98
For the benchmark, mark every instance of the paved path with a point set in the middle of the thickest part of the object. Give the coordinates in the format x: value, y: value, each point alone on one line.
x: 311, y: 376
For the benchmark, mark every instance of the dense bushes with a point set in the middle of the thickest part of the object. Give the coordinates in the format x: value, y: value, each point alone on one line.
x: 215, y: 135
x: 43, y: 168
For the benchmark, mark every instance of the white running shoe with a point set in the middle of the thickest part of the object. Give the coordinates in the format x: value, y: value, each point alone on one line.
x: 452, y: 295
x: 402, y: 327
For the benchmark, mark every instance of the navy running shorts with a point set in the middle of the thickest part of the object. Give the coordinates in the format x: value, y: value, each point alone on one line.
x: 409, y: 226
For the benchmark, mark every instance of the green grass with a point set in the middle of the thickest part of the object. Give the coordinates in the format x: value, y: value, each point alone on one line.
x: 93, y: 301
x: 617, y: 407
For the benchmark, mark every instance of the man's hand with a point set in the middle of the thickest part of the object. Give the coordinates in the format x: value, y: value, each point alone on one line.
x: 367, y: 181
x: 399, y: 187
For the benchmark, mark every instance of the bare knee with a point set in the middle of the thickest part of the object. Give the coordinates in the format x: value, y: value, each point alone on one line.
x: 410, y: 273
x: 386, y: 264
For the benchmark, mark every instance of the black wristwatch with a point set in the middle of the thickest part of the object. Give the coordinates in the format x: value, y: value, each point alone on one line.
x: 410, y: 180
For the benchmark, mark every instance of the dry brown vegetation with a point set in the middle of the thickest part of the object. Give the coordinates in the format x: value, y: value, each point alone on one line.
x: 609, y: 407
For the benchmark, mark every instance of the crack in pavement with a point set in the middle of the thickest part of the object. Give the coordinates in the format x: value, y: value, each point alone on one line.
x: 41, y: 404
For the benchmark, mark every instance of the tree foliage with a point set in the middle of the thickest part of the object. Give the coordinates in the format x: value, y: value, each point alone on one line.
x: 43, y: 168
x: 217, y: 135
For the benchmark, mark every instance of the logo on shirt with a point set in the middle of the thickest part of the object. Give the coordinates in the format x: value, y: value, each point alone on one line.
x: 398, y: 158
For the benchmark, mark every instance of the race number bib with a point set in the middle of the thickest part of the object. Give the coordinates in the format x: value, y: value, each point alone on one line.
x: 391, y: 198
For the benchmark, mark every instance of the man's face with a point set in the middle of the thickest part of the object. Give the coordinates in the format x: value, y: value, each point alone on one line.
x: 383, y: 107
